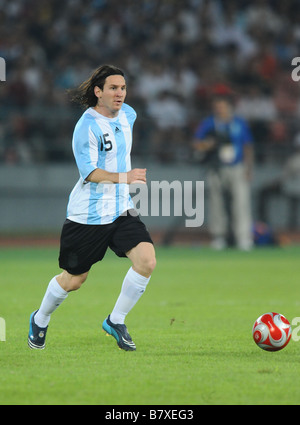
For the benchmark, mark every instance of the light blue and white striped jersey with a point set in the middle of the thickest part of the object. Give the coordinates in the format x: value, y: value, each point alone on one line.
x: 101, y: 142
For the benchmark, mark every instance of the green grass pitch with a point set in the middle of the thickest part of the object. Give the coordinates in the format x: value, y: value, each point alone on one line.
x: 192, y: 328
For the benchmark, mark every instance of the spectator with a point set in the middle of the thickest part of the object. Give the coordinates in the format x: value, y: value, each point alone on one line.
x: 181, y: 47
x: 285, y: 184
x: 227, y: 140
x: 169, y: 113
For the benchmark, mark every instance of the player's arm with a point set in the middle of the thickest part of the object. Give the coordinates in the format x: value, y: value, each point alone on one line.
x: 102, y: 176
x: 85, y: 147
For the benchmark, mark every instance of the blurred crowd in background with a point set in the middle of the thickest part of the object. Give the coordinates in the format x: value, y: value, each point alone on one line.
x: 173, y: 53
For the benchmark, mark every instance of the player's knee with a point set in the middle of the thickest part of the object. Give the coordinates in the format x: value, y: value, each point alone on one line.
x: 71, y: 282
x: 77, y: 281
x: 147, y: 265
x: 152, y: 264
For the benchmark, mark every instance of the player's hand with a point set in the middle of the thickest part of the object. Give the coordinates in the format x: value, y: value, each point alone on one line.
x: 137, y: 175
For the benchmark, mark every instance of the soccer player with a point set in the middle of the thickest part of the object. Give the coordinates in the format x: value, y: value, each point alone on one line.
x: 100, y: 212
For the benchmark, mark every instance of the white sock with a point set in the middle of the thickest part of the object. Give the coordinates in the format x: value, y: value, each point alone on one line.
x: 133, y: 287
x: 54, y: 296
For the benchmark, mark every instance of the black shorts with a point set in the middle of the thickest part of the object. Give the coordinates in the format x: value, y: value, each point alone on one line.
x: 82, y: 245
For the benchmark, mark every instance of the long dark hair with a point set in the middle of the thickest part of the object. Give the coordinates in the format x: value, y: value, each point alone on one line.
x: 84, y: 94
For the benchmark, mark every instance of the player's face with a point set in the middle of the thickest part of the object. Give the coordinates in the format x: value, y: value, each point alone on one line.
x: 111, y: 98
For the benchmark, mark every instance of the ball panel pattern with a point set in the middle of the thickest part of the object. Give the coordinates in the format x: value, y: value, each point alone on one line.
x: 272, y: 332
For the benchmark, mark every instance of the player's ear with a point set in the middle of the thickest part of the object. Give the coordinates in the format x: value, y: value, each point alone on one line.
x: 97, y: 91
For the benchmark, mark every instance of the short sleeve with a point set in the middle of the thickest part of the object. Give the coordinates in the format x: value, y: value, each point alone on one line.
x: 85, y: 149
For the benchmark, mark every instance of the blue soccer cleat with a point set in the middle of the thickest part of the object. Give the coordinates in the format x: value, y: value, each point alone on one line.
x: 120, y: 333
x: 37, y: 335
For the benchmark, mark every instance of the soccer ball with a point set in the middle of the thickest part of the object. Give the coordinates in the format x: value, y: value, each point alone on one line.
x: 272, y: 332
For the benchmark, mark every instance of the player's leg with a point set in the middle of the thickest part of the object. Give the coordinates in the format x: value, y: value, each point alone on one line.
x: 75, y: 259
x: 70, y: 282
x: 143, y: 258
x: 133, y: 241
x: 133, y: 287
x: 57, y: 291
x: 75, y: 263
x: 135, y: 281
